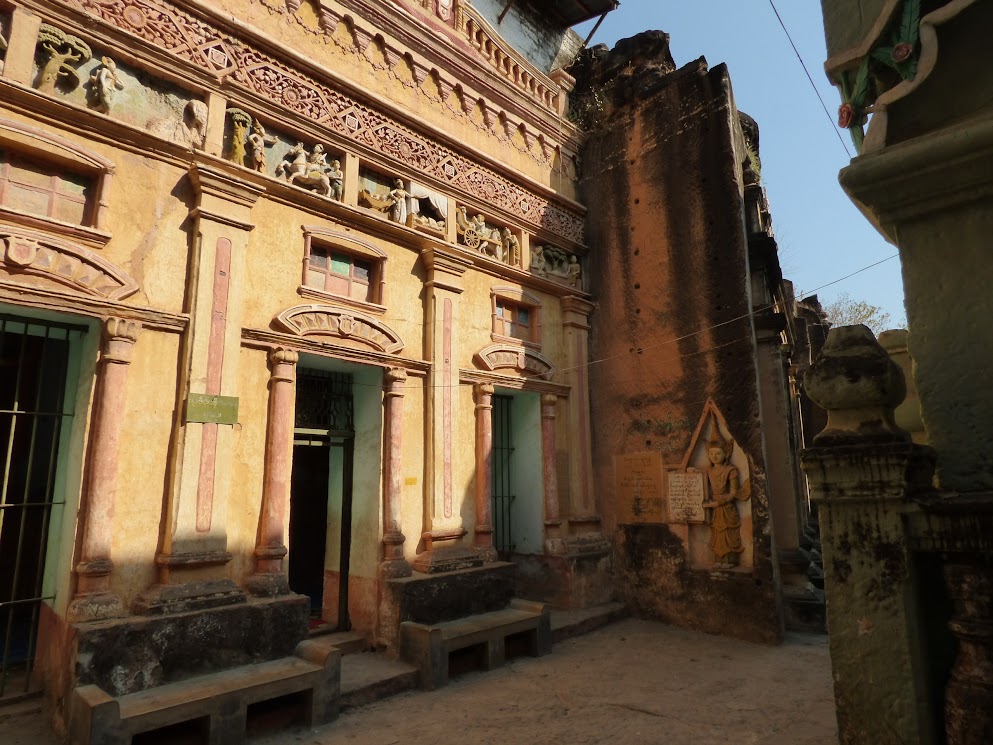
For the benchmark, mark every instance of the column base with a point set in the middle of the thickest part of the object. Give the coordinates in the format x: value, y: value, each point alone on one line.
x: 95, y: 606
x: 188, y: 596
x: 394, y: 569
x: 268, y: 585
x: 439, y: 559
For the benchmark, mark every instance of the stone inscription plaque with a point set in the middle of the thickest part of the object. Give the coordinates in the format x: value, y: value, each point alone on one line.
x: 638, y: 483
x: 687, y: 491
x: 202, y: 407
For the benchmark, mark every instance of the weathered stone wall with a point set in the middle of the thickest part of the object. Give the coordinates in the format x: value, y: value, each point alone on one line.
x: 662, y: 176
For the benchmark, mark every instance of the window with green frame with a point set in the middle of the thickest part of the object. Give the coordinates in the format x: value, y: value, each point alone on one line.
x: 341, y: 273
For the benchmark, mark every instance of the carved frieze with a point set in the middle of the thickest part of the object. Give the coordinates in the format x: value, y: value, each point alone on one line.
x: 556, y: 263
x: 512, y: 357
x: 221, y: 53
x: 327, y: 320
x: 35, y: 255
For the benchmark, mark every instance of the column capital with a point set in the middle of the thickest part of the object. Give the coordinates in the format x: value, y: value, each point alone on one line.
x: 283, y: 356
x: 549, y: 403
x: 119, y: 337
x: 484, y: 394
x: 393, y: 378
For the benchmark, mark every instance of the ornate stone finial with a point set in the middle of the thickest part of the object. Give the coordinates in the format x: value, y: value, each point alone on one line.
x: 859, y: 386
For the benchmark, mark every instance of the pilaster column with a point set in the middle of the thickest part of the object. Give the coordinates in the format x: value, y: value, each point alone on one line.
x: 484, y: 472
x: 549, y: 470
x: 394, y: 565
x: 22, y: 40
x: 583, y: 510
x: 269, y: 577
x: 203, y: 448
x: 94, y: 599
x: 444, y: 528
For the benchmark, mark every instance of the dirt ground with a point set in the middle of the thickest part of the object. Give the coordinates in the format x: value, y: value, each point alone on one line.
x: 631, y: 682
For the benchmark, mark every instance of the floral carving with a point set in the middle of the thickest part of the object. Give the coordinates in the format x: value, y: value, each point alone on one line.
x: 880, y: 70
x: 192, y: 39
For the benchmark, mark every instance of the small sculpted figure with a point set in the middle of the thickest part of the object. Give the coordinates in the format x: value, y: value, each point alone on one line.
x: 337, y: 179
x: 258, y: 140
x: 104, y: 84
x: 294, y: 162
x: 574, y: 272
x: 398, y: 203
x: 511, y: 248
x: 722, y: 510
x: 538, y: 261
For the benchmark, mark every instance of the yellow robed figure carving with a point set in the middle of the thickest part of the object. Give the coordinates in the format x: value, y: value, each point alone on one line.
x: 722, y: 510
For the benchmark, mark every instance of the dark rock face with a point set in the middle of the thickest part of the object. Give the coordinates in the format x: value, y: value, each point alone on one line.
x: 139, y: 652
x: 670, y: 272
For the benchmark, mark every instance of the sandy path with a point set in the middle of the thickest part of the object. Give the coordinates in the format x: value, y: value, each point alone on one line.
x: 632, y: 682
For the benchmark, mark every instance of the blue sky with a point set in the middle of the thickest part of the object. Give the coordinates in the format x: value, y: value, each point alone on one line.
x: 822, y: 236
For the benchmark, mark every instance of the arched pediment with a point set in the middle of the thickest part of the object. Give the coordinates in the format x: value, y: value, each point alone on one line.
x: 511, y: 357
x: 25, y: 138
x: 340, y: 323
x: 50, y: 260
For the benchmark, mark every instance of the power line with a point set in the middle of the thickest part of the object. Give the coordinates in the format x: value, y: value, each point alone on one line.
x: 674, y: 340
x: 812, y: 85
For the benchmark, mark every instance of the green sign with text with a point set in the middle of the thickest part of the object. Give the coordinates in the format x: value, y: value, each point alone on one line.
x: 202, y: 407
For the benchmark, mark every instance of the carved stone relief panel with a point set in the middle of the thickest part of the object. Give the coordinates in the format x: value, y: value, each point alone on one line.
x: 558, y: 264
x: 386, y: 194
x: 477, y: 233
x: 5, y: 17
x: 709, y: 493
x: 67, y: 67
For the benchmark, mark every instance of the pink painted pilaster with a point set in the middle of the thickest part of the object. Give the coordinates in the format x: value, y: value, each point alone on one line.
x: 93, y: 599
x: 583, y: 516
x: 394, y: 565
x: 269, y: 577
x: 549, y: 467
x: 484, y: 471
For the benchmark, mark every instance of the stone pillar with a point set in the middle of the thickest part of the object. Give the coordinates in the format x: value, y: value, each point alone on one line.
x: 969, y: 696
x: 865, y: 475
x: 549, y: 472
x: 583, y: 515
x: 394, y: 565
x: 484, y: 472
x: 269, y: 577
x: 93, y: 599
x: 443, y: 544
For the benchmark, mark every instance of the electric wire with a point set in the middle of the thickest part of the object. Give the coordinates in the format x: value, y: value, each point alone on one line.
x: 812, y: 84
x: 674, y: 340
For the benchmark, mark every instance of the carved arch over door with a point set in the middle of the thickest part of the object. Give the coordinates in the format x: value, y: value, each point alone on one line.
x: 340, y: 323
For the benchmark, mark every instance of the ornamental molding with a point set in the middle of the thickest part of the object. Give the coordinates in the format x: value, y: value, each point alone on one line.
x: 512, y: 357
x: 223, y: 53
x: 27, y: 254
x: 341, y: 323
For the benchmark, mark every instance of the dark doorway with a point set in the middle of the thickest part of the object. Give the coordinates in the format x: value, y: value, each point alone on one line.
x: 320, y: 526
x: 503, y: 490
x: 34, y: 411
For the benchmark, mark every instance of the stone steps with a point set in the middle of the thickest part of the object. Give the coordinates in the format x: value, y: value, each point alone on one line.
x: 567, y: 624
x: 369, y: 677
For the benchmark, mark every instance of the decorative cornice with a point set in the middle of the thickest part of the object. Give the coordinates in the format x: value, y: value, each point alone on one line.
x: 74, y: 267
x: 192, y: 36
x: 326, y: 347
x: 514, y: 382
x: 327, y: 320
